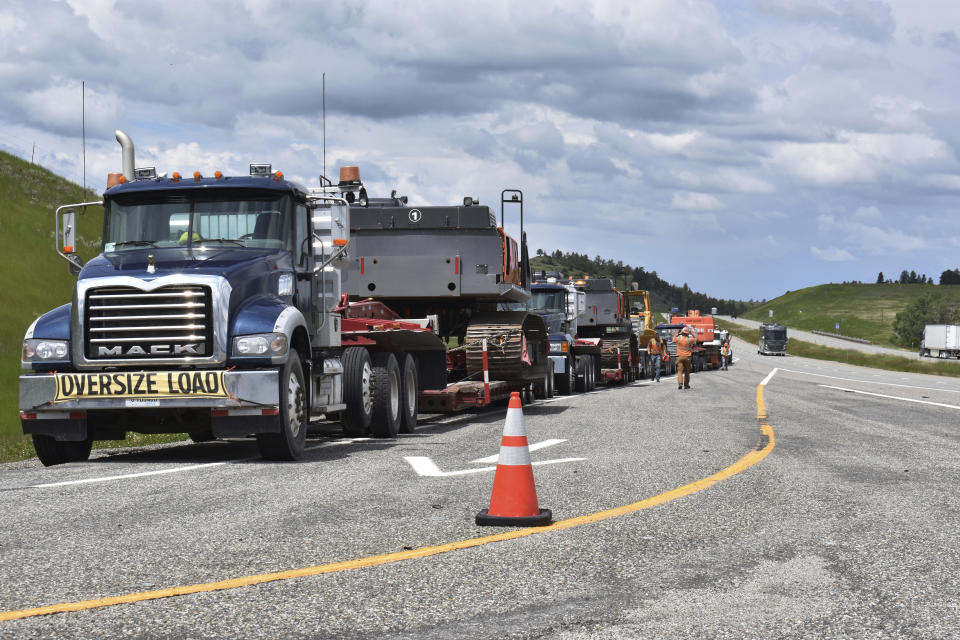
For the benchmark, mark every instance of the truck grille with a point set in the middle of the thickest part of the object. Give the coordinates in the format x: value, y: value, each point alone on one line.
x: 169, y: 322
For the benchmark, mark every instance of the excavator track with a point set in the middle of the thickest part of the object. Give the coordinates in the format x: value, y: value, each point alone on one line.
x: 507, y: 332
x: 608, y: 357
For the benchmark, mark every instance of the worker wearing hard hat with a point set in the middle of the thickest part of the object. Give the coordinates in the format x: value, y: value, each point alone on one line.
x: 685, y: 342
x: 655, y: 351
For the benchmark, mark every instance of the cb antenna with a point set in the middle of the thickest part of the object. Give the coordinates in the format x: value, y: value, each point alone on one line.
x: 324, y: 121
x: 83, y: 133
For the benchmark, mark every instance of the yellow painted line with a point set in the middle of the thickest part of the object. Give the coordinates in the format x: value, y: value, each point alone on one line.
x: 762, y: 450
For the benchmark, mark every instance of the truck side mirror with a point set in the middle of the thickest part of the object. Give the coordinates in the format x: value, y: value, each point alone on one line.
x: 69, y: 241
x: 68, y: 224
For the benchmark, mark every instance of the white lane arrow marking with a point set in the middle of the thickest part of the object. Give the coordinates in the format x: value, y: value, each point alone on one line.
x: 424, y: 466
x: 532, y: 447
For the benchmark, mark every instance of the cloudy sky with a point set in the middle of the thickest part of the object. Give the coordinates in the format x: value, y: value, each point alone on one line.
x: 745, y: 147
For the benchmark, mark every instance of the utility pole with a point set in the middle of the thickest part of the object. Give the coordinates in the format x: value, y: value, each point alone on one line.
x: 33, y: 153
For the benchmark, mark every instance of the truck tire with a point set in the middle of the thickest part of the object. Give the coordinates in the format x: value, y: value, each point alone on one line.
x: 550, y: 390
x: 385, y: 395
x: 52, y: 451
x: 357, y: 383
x: 583, y: 375
x: 567, y: 382
x: 409, y: 392
x: 289, y: 443
x: 201, y: 435
x: 541, y: 388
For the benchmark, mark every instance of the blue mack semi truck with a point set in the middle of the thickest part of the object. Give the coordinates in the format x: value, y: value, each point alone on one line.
x: 215, y: 309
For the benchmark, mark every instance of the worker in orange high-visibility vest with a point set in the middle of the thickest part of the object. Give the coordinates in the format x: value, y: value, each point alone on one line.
x: 725, y: 353
x: 685, y: 343
x: 655, y: 351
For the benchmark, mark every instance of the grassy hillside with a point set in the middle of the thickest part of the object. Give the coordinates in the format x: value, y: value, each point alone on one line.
x: 863, y: 310
x: 35, y: 278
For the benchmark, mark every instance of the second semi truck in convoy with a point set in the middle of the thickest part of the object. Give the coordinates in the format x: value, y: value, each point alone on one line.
x: 592, y: 339
x: 605, y: 321
x: 217, y: 308
x: 575, y: 361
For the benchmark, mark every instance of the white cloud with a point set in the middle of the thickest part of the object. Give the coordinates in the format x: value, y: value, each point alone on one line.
x: 695, y: 201
x: 10, y: 24
x: 868, y: 214
x: 950, y: 182
x: 858, y: 157
x: 832, y: 254
x: 60, y: 107
x: 809, y: 123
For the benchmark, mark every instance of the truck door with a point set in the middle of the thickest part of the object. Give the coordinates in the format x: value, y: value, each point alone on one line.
x: 303, y: 264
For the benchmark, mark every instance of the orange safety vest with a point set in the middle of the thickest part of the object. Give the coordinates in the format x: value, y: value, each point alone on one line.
x: 653, y: 348
x: 726, y: 348
x: 685, y: 345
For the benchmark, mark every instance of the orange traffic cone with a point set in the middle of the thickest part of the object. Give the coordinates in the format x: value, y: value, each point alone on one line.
x: 513, y: 502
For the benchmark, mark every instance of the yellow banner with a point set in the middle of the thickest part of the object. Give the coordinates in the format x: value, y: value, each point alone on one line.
x: 141, y: 384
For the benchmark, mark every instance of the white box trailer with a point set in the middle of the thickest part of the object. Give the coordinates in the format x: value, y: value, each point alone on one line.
x: 941, y: 341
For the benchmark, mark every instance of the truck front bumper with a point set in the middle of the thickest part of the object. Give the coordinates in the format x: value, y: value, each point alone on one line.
x: 250, y: 405
x: 559, y: 363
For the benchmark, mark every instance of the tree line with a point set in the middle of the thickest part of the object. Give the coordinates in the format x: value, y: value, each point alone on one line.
x: 908, y: 277
x: 663, y: 294
x: 949, y: 276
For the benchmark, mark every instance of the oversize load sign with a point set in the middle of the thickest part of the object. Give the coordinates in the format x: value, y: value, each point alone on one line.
x: 141, y: 384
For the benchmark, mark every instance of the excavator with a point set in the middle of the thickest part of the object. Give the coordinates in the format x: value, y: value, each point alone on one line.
x: 457, y: 265
x: 641, y: 316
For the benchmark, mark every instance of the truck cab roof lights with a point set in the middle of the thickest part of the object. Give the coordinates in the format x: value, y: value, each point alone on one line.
x: 217, y: 175
x: 196, y: 176
x: 350, y: 176
x: 278, y: 176
x: 470, y: 201
x: 145, y: 173
x: 260, y: 170
x: 175, y: 177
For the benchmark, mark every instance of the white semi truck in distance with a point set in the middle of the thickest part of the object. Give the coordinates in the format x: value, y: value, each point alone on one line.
x: 941, y: 341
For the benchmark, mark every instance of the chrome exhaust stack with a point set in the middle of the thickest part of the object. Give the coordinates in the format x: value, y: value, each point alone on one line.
x: 126, y: 147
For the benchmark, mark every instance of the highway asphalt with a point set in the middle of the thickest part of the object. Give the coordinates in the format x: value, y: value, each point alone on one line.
x: 846, y: 528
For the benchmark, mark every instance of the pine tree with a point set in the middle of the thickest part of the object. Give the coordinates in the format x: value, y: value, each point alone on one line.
x: 950, y: 276
x: 880, y: 278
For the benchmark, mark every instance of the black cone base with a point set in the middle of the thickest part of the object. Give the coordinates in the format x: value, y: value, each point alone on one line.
x: 484, y: 519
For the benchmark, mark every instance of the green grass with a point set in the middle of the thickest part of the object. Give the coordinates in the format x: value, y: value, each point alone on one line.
x: 850, y: 356
x: 863, y: 310
x: 35, y: 279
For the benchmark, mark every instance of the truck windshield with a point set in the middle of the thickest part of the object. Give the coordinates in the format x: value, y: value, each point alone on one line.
x: 547, y: 301
x: 775, y: 334
x: 197, y: 220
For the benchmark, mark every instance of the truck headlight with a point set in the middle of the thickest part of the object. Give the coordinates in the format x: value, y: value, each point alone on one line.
x: 558, y: 347
x: 263, y: 344
x: 35, y: 350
